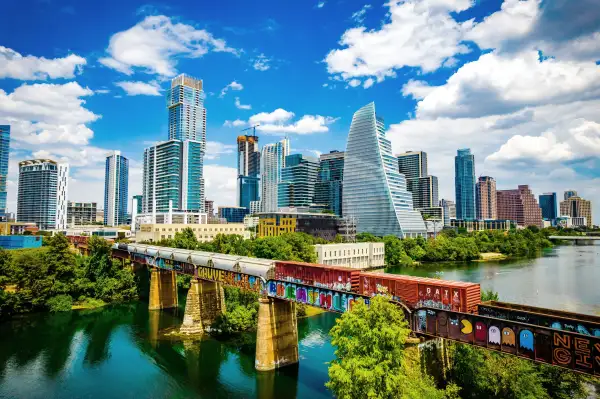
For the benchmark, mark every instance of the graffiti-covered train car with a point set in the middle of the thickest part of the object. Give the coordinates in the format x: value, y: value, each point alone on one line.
x: 322, y: 276
x: 457, y: 296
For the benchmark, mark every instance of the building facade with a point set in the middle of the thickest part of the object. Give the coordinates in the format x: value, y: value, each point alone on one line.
x: 577, y: 207
x: 464, y: 181
x: 187, y: 115
x: 209, y: 208
x: 375, y: 193
x: 81, y: 213
x: 4, y: 152
x: 329, y: 187
x: 272, y: 224
x: 138, y: 203
x: 519, y: 206
x: 548, y: 203
x: 42, y: 193
x: 412, y: 164
x: 485, y: 198
x: 449, y: 210
x: 298, y: 178
x: 203, y: 232
x: 481, y: 225
x: 116, y: 184
x: 272, y: 161
x: 358, y: 255
x: 233, y: 214
x: 248, y: 166
x: 424, y: 191
x: 569, y: 193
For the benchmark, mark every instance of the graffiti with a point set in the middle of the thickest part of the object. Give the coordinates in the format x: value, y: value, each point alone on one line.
x: 438, y: 298
x: 232, y: 279
x: 508, y: 337
x: 494, y: 335
x: 526, y: 340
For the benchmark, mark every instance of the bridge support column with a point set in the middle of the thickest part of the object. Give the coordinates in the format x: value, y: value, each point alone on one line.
x: 192, y: 319
x: 163, y: 289
x: 277, y: 334
x: 212, y: 301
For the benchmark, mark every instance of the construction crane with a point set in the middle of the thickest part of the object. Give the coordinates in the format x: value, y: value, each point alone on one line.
x: 253, y: 129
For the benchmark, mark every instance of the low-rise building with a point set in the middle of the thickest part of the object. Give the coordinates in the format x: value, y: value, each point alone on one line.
x: 20, y: 242
x: 322, y: 225
x: 81, y: 213
x: 481, y: 225
x: 361, y: 255
x: 203, y: 232
x: 108, y: 233
x: 18, y: 228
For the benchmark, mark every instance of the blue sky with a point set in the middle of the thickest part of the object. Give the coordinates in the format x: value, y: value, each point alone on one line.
x: 78, y: 79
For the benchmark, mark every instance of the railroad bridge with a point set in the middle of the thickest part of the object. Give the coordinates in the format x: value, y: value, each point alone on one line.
x: 434, y: 308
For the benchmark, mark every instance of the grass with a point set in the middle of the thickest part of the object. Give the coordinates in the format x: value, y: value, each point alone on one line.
x: 88, y: 303
x: 487, y: 256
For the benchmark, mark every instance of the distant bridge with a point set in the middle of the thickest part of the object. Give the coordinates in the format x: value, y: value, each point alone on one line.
x: 579, y: 240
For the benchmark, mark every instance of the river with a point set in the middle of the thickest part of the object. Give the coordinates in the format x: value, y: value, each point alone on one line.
x: 117, y: 351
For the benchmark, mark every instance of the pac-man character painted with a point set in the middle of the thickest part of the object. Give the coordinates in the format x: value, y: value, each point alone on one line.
x: 526, y: 340
x: 596, y: 333
x: 454, y: 322
x: 480, y: 331
x: 467, y: 327
x: 494, y: 335
x: 508, y: 337
x: 582, y: 330
x: 556, y: 325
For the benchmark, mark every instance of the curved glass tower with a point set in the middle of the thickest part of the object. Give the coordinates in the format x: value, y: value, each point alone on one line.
x: 375, y: 192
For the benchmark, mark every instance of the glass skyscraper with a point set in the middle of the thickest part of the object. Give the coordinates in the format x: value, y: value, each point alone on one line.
x: 272, y: 161
x: 464, y: 182
x: 412, y: 164
x: 248, y: 170
x: 298, y: 179
x: 549, y: 205
x: 187, y: 115
x: 329, y: 187
x: 4, y: 151
x: 116, y: 183
x: 375, y: 194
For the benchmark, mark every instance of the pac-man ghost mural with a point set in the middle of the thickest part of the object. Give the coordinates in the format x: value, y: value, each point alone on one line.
x: 508, y: 337
x: 480, y: 332
x: 526, y: 340
x: 596, y: 333
x: 467, y: 327
x: 494, y: 335
x: 556, y: 325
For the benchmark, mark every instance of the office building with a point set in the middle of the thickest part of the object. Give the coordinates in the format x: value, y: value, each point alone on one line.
x: 375, y: 193
x: 204, y: 232
x: 321, y: 225
x: 481, y: 225
x: 424, y: 191
x: 329, y: 187
x: 138, y: 203
x: 519, y: 206
x: 187, y: 115
x: 577, y: 207
x: 449, y: 210
x: 209, y: 208
x: 233, y: 214
x: 116, y: 183
x: 42, y: 193
x: 298, y: 178
x: 485, y: 198
x: 548, y: 203
x: 272, y: 161
x: 4, y: 151
x: 357, y: 255
x: 570, y: 193
x: 464, y: 182
x: 81, y: 213
x: 255, y: 207
x: 412, y: 164
x: 248, y: 166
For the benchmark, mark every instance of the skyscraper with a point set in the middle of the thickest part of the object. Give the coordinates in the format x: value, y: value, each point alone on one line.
x: 424, y: 191
x: 4, y: 151
x: 42, y: 195
x: 375, y: 192
x: 412, y: 164
x: 464, y: 182
x: 116, y: 183
x: 485, y: 198
x: 329, y: 187
x: 548, y: 203
x: 272, y: 161
x: 519, y: 206
x: 298, y: 178
x: 575, y: 206
x: 570, y: 193
x: 187, y: 115
x: 248, y: 170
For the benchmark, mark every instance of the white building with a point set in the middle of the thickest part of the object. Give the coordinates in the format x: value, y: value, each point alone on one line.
x: 203, y: 232
x: 116, y: 183
x: 61, y: 196
x: 360, y: 255
x: 272, y: 160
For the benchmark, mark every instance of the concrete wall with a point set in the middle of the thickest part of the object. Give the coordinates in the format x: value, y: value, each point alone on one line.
x: 360, y: 255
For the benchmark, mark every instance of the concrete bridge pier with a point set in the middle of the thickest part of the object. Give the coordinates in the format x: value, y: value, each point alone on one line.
x: 212, y: 301
x: 192, y: 319
x: 163, y: 289
x: 277, y: 334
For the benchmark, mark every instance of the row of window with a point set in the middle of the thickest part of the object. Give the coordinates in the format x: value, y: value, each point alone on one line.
x: 220, y: 229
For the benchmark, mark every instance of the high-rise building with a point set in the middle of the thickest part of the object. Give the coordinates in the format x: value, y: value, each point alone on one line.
x: 485, y: 198
x: 570, y: 193
x: 548, y: 203
x: 4, y: 151
x: 464, y: 182
x: 233, y: 214
x: 81, y: 213
x: 272, y: 161
x: 424, y: 191
x: 116, y: 183
x: 519, y: 206
x: 298, y: 179
x: 375, y: 194
x: 412, y: 164
x: 449, y: 210
x: 248, y: 165
x: 42, y: 195
x: 138, y: 203
x: 329, y: 188
x: 577, y: 207
x: 187, y: 115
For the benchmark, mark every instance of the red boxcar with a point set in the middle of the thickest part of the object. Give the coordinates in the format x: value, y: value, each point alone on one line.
x: 420, y: 291
x: 324, y: 276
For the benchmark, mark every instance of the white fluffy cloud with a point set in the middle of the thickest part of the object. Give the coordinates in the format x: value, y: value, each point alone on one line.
x: 154, y: 43
x: 140, y: 88
x: 417, y: 89
x: 16, y: 66
x: 239, y: 105
x: 220, y: 184
x: 280, y: 115
x: 235, y: 123
x: 544, y: 148
x: 215, y: 149
x: 262, y: 63
x: 280, y: 122
x: 231, y: 86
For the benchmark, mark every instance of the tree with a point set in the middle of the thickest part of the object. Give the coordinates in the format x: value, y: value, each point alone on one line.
x: 371, y: 358
x: 99, y: 263
x: 185, y: 239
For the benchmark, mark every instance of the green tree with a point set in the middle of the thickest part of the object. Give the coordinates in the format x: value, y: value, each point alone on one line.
x: 185, y: 239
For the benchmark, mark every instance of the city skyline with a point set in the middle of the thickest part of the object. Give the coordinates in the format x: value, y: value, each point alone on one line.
x: 255, y: 78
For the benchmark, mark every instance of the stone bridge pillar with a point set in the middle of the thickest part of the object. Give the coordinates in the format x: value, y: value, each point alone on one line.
x: 277, y: 334
x: 192, y: 319
x: 163, y: 289
x: 212, y: 301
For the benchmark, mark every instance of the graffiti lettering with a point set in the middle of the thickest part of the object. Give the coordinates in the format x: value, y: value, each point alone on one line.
x: 562, y: 356
x: 562, y: 340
